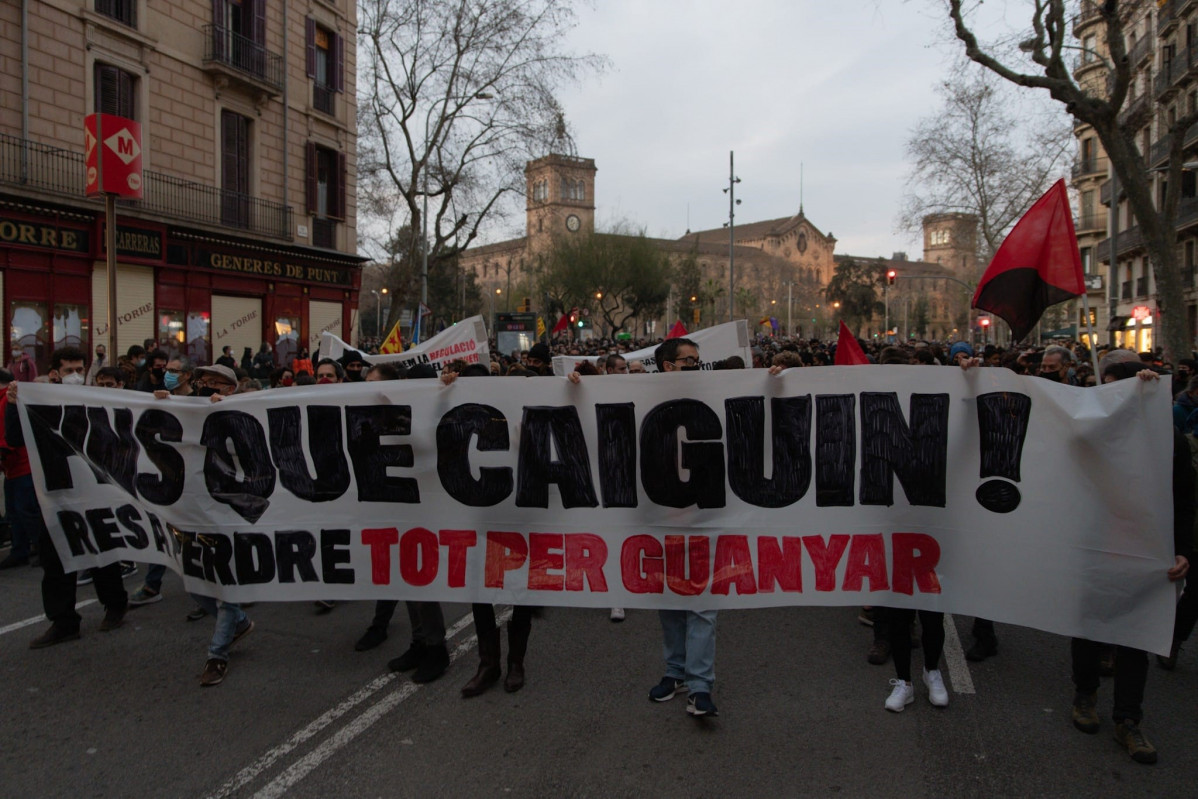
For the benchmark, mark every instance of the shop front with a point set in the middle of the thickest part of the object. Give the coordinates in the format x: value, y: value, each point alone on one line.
x: 1134, y: 332
x: 191, y: 293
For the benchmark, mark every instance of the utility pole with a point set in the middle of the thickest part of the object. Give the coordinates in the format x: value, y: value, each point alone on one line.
x: 732, y: 203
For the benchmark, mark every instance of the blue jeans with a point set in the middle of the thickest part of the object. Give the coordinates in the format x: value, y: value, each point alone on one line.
x: 689, y: 647
x: 20, y: 504
x: 229, y: 617
x: 154, y: 577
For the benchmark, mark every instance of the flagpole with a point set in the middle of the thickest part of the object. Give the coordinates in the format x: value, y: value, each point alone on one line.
x: 1093, y: 337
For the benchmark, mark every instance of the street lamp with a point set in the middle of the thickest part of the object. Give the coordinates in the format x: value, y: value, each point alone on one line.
x: 731, y: 225
x: 492, y: 297
x: 378, y: 311
x: 424, y: 211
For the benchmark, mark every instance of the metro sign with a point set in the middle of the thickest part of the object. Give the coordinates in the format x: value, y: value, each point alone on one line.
x: 115, y: 167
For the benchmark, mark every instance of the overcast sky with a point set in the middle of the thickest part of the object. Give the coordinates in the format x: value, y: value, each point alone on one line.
x: 835, y: 85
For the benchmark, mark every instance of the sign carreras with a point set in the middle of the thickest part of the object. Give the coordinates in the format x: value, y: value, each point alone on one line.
x: 265, y: 266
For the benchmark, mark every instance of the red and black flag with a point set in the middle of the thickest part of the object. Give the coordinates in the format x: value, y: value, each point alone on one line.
x: 677, y: 331
x: 848, y: 351
x: 1036, y: 266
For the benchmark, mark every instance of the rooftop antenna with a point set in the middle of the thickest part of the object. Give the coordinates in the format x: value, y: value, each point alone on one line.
x: 800, y: 187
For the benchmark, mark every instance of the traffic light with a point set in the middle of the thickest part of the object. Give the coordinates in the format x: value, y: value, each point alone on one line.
x: 525, y: 306
x: 890, y: 276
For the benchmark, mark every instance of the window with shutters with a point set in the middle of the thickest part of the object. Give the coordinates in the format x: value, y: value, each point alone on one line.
x: 123, y: 11
x: 326, y: 66
x: 326, y: 193
x: 114, y: 91
x: 240, y: 34
x: 235, y: 169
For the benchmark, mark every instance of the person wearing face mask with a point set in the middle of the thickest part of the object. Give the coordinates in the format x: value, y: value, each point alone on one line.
x: 301, y: 363
x: 177, y: 379
x: 354, y: 364
x: 232, y: 623
x: 226, y: 358
x: 281, y: 378
x: 98, y: 363
x: 539, y: 359
x: 153, y: 378
x: 328, y: 372
x: 688, y: 636
x: 264, y: 363
x: 67, y: 366
x: 1056, y: 365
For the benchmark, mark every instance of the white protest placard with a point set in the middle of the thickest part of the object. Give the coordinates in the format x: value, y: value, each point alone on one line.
x: 715, y: 344
x: 983, y: 493
x: 465, y: 341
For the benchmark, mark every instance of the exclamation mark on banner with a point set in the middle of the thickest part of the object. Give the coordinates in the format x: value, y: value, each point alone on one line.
x: 1002, y: 425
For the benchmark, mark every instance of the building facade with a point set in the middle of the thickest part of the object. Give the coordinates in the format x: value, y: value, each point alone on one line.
x: 245, y: 231
x: 1162, y: 48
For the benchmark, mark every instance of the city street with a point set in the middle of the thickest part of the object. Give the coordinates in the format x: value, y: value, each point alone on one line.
x: 302, y: 714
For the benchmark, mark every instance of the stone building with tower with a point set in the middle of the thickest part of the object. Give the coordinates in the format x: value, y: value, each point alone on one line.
x: 782, y: 266
x: 246, y: 228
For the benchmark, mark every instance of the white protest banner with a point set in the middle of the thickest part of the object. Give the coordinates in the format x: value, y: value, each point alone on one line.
x: 715, y: 344
x: 983, y: 493
x: 463, y: 341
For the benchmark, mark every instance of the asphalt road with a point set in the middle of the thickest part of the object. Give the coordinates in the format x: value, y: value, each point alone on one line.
x: 303, y: 715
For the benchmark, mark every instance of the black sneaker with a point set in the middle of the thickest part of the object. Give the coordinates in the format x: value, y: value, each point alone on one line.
x: 409, y: 659
x: 214, y: 672
x: 85, y: 577
x: 113, y: 618
x: 981, y: 649
x: 128, y: 569
x: 371, y: 638
x: 57, y: 634
x: 700, y: 704
x: 665, y: 690
x: 1131, y: 737
x: 197, y: 613
x: 433, y: 664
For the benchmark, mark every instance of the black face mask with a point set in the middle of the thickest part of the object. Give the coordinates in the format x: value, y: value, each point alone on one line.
x: 158, y: 373
x: 694, y: 368
x: 1053, y: 376
x: 206, y: 391
x: 353, y: 375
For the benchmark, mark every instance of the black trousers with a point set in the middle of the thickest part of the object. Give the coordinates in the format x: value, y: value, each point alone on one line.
x: 1131, y: 673
x: 484, y: 618
x: 425, y: 618
x: 931, y: 636
x: 1187, y: 612
x: 58, y: 587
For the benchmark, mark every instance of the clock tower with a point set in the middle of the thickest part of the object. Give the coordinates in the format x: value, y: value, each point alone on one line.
x: 561, y: 198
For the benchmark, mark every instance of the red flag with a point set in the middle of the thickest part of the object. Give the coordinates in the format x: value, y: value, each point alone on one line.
x: 562, y: 323
x: 1037, y: 265
x: 677, y: 331
x: 848, y: 351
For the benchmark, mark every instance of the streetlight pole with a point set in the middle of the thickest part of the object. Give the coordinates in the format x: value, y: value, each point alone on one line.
x: 732, y: 203
x: 789, y: 285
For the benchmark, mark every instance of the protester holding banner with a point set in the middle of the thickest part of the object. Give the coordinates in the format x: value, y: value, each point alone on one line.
x: 688, y: 635
x: 68, y: 367
x: 1131, y: 665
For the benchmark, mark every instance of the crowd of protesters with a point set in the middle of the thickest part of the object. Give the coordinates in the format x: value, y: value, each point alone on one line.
x: 689, y: 637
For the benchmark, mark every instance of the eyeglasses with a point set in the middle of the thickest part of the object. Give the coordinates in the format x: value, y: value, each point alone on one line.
x: 689, y: 360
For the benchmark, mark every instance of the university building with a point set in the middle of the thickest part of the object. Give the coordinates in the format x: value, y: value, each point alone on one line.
x: 245, y: 231
x: 782, y: 266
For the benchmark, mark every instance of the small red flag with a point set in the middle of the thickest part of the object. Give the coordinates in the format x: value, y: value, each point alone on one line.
x: 1037, y: 265
x: 848, y: 351
x: 562, y: 323
x: 677, y: 331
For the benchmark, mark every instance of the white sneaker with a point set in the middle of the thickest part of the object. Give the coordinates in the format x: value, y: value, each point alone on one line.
x: 937, y: 693
x: 617, y: 614
x: 902, y: 695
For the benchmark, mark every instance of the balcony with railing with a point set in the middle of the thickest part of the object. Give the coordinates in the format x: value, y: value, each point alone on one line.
x: 1142, y: 286
x: 54, y: 171
x: 1093, y: 165
x: 1126, y: 293
x: 1166, y: 16
x: 1089, y: 222
x: 233, y: 56
x: 1135, y: 109
x: 1139, y: 50
x: 1089, y: 11
x: 323, y: 98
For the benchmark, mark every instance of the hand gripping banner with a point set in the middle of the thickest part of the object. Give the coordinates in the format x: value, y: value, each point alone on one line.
x: 982, y: 493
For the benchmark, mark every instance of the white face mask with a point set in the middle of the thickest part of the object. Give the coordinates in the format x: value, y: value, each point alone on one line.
x: 73, y: 379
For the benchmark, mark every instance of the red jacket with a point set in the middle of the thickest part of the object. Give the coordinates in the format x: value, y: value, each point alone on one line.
x: 15, y: 460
